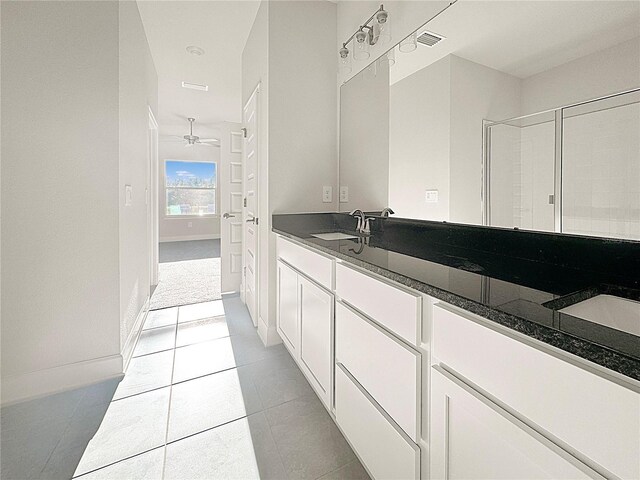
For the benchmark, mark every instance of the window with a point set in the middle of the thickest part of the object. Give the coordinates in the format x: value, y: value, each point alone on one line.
x: 190, y: 187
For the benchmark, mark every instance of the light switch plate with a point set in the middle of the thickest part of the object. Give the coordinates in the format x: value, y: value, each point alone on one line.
x: 431, y: 196
x: 128, y: 195
x: 344, y: 194
x: 327, y: 194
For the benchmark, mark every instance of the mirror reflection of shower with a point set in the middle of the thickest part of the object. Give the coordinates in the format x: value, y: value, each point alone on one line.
x: 574, y: 169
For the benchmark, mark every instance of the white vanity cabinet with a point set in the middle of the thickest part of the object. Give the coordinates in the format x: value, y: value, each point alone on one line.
x: 474, y: 439
x: 424, y: 391
x: 287, y: 311
x: 305, y: 314
x: 316, y: 321
x: 543, y: 412
x: 378, y: 372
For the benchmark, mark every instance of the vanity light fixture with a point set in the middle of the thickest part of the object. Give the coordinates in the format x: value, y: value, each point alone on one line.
x: 376, y: 29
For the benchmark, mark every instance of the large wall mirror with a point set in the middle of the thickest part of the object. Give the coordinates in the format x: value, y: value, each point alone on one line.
x: 505, y: 113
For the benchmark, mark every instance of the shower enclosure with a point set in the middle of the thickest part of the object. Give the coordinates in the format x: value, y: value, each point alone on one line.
x: 575, y: 169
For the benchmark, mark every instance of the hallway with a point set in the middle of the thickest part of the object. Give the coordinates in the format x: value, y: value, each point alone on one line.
x: 202, y: 399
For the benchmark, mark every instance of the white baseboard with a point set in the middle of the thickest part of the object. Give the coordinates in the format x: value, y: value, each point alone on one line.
x: 27, y: 386
x: 184, y: 238
x: 268, y: 333
x: 134, y: 334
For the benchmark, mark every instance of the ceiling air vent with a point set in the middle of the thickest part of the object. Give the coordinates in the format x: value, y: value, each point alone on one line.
x: 429, y: 39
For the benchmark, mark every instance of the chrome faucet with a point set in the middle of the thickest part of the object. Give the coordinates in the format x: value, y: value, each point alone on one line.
x: 386, y: 212
x: 359, y: 214
x: 364, y: 222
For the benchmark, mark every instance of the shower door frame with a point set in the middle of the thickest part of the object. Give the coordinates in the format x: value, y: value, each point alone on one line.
x: 557, y: 161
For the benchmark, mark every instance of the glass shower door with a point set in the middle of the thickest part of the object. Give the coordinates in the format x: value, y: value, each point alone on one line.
x: 601, y: 167
x: 520, y: 169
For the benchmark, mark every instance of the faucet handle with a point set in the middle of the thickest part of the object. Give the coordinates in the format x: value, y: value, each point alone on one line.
x: 366, y: 229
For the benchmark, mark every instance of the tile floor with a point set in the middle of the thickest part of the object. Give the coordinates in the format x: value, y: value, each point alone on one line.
x: 202, y: 399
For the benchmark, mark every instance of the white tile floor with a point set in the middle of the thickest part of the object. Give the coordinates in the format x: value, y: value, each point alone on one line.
x: 202, y: 399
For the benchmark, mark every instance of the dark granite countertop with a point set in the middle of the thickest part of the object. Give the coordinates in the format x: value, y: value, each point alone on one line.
x: 521, y: 293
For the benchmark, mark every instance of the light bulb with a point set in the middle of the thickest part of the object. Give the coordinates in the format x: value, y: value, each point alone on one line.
x: 409, y: 44
x: 361, y: 46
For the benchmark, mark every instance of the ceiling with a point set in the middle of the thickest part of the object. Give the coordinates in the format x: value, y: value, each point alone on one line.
x: 523, y: 38
x: 221, y: 28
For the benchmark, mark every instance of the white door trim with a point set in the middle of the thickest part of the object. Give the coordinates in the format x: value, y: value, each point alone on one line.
x: 152, y: 199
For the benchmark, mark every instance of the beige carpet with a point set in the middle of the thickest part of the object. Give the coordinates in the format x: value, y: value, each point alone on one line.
x: 185, y: 282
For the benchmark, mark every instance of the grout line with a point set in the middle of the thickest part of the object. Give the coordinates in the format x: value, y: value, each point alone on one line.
x: 166, y: 431
x: 154, y: 389
x: 210, y: 428
x: 194, y: 343
x: 117, y: 461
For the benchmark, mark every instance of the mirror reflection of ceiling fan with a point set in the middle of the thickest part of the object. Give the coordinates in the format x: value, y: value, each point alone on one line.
x: 191, y: 140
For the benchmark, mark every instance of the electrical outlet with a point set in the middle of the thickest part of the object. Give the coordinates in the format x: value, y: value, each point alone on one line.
x: 344, y: 194
x: 327, y: 194
x: 189, y: 224
x: 128, y: 195
x: 431, y: 196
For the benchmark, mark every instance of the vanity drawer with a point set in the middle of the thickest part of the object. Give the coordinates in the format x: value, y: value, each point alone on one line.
x: 387, y: 369
x: 313, y: 265
x: 385, y: 451
x: 597, y: 418
x: 396, y: 309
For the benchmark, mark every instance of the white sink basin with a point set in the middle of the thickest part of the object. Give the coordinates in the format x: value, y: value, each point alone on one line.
x: 333, y: 236
x: 614, y: 312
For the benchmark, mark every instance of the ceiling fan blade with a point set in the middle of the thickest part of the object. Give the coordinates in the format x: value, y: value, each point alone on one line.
x: 210, y: 140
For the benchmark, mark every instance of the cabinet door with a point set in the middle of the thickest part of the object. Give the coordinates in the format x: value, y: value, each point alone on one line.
x: 316, y: 313
x: 288, y: 307
x: 473, y: 438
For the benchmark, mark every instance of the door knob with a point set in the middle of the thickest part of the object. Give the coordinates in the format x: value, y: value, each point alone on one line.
x: 227, y: 215
x: 253, y: 220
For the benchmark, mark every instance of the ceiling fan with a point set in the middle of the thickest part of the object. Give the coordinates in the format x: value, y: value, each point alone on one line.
x: 191, y: 139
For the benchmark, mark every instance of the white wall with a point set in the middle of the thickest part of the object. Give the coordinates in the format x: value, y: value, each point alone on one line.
x: 138, y: 85
x: 602, y: 73
x: 290, y: 51
x: 477, y: 93
x: 436, y: 137
x: 364, y: 147
x: 59, y: 211
x: 302, y: 115
x: 70, y: 280
x: 419, y: 142
x: 177, y: 228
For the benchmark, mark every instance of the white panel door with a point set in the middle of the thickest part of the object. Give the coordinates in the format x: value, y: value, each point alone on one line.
x: 316, y: 312
x: 473, y: 438
x: 250, y: 214
x: 230, y: 185
x: 287, y: 307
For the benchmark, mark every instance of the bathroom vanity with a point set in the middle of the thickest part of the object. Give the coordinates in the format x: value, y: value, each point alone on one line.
x: 437, y: 361
x: 493, y: 330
